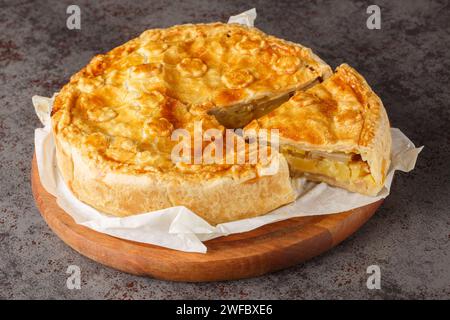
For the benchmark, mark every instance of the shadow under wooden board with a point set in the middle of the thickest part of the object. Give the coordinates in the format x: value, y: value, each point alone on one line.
x: 269, y: 248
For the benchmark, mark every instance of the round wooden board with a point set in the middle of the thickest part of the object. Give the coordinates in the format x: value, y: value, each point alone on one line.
x: 269, y: 248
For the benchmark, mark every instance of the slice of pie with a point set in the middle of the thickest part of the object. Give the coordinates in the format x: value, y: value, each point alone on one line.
x: 114, y: 121
x: 337, y: 132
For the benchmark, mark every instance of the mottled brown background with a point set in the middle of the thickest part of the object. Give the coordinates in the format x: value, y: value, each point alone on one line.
x: 407, y: 62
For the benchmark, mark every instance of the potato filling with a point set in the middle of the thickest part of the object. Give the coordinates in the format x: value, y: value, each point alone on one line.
x: 342, y: 167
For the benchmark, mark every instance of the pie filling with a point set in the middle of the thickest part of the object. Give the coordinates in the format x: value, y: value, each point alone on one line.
x: 342, y: 168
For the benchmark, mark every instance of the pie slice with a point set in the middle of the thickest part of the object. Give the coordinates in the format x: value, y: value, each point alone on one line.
x: 336, y: 132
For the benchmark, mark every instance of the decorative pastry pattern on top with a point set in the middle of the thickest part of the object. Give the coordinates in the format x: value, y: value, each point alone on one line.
x: 250, y: 46
x: 192, y: 67
x: 101, y: 114
x: 237, y: 79
x: 158, y: 127
x: 287, y: 64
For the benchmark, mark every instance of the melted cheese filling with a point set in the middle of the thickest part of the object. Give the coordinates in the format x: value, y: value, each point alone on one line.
x: 344, y: 168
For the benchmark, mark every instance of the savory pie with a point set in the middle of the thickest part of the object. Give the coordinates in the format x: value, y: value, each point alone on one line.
x: 336, y: 132
x: 114, y: 122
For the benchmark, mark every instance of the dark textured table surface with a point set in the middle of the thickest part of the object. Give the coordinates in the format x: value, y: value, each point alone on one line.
x: 407, y: 62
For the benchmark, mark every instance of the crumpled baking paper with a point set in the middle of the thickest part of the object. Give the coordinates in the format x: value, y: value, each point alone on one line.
x: 178, y: 227
x: 246, y: 18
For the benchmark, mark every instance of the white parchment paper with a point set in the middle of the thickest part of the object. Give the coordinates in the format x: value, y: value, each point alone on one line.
x: 178, y: 227
x: 246, y: 18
